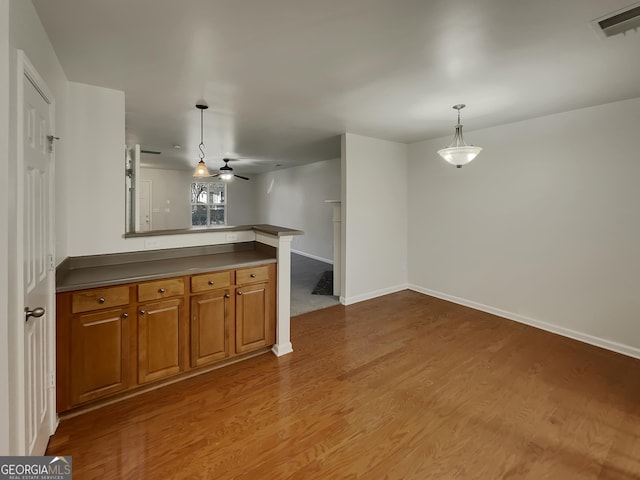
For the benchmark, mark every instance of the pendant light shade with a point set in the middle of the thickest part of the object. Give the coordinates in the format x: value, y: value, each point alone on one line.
x: 201, y: 169
x: 459, y: 153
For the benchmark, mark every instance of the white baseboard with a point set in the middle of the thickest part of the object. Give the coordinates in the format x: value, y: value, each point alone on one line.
x: 374, y: 294
x: 280, y: 349
x: 315, y: 257
x: 549, y: 327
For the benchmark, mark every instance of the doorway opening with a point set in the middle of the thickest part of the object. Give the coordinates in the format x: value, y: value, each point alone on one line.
x: 307, y: 274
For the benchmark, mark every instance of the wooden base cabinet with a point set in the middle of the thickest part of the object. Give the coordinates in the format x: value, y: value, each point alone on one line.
x: 255, y: 308
x: 252, y: 318
x: 159, y: 326
x: 99, y: 355
x: 210, y: 327
x: 118, y: 338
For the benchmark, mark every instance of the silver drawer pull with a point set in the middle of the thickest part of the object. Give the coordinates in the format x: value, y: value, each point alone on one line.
x: 239, y: 292
x: 101, y: 300
x: 161, y: 290
x: 125, y: 315
x: 253, y: 275
x: 142, y: 312
x: 226, y: 295
x: 211, y: 282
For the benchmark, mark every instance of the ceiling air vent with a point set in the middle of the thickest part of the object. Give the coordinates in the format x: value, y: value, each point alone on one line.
x: 620, y: 22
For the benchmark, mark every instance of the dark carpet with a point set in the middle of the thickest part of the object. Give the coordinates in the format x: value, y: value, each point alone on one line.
x: 325, y: 284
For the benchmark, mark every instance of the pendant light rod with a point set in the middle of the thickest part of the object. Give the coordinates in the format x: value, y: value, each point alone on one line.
x: 201, y: 168
x: 458, y: 153
x: 459, y: 107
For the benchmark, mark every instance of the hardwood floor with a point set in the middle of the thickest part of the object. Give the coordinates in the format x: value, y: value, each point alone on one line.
x: 405, y: 386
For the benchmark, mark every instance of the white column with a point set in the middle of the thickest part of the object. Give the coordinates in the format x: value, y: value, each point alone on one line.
x: 337, y: 242
x: 283, y: 309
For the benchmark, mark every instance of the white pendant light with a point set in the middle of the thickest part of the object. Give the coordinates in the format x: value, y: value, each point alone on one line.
x: 459, y: 153
x: 201, y: 169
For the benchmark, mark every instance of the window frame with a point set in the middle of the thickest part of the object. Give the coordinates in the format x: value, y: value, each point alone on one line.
x: 208, y: 204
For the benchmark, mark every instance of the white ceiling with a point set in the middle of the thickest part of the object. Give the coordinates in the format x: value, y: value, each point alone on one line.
x: 284, y: 78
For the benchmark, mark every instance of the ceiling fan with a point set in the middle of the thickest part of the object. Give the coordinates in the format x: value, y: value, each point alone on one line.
x: 226, y: 172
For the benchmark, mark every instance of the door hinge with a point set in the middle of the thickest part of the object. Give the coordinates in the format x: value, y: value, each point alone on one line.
x: 52, y: 263
x: 51, y: 138
x: 52, y: 380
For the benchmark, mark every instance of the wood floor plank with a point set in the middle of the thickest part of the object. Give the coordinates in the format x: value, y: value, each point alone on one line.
x: 404, y: 386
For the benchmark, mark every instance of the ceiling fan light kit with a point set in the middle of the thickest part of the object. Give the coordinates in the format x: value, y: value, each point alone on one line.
x: 201, y: 169
x: 458, y: 153
x: 226, y: 172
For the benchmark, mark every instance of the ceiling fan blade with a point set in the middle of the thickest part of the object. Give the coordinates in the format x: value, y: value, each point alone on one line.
x: 152, y: 152
x: 240, y: 176
x: 216, y: 175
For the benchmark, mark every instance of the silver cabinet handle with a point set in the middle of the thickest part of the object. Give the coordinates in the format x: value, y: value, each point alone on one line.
x: 239, y: 292
x: 253, y: 275
x: 101, y: 300
x: 161, y: 290
x: 142, y: 312
x: 226, y: 295
x: 211, y: 282
x: 36, y: 312
x: 125, y: 315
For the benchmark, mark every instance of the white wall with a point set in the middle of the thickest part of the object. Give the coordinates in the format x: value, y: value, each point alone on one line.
x: 170, y: 191
x: 241, y: 202
x: 175, y: 186
x: 374, y: 217
x: 4, y: 226
x: 95, y: 179
x: 295, y: 198
x: 25, y: 33
x: 543, y: 227
x: 28, y: 34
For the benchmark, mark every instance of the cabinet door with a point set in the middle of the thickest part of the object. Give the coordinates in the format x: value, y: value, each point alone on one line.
x: 252, y: 317
x: 99, y: 355
x: 159, y: 340
x: 209, y: 327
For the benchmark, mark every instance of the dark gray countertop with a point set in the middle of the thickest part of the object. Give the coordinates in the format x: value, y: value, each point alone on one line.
x: 104, y: 270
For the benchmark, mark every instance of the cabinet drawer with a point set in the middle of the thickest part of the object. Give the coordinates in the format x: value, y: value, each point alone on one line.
x: 210, y: 281
x: 160, y: 289
x: 252, y: 275
x: 99, y: 298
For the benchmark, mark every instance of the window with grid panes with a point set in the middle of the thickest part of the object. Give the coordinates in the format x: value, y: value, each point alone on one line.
x: 208, y: 204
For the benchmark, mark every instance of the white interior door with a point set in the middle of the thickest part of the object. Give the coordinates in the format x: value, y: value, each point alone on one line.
x: 39, y: 318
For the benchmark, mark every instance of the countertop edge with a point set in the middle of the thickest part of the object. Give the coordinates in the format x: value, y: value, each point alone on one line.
x: 63, y: 287
x: 269, y: 229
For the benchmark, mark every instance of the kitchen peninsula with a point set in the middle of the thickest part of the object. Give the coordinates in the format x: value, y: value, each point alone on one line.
x: 130, y: 321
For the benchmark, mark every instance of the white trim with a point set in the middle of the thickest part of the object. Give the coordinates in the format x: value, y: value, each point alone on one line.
x: 266, y: 239
x: 17, y: 385
x: 283, y: 292
x: 283, y: 296
x: 29, y: 70
x: 549, y: 327
x: 315, y: 257
x: 281, y: 349
x: 136, y: 187
x: 374, y: 294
